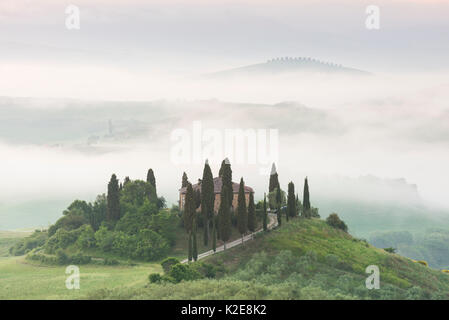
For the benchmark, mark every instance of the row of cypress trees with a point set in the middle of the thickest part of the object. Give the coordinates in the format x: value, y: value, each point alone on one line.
x: 246, y: 214
x: 292, y: 201
x: 222, y: 224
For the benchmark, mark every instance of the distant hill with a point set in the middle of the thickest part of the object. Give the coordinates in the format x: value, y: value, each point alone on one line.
x: 284, y: 65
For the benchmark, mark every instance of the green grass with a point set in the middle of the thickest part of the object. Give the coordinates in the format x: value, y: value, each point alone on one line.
x: 320, y: 280
x: 21, y: 280
x: 303, y: 235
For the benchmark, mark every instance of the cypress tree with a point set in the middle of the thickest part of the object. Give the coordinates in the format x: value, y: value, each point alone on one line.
x: 291, y: 201
x: 190, y: 254
x: 306, y: 200
x: 151, y: 179
x: 207, y: 200
x: 265, y: 215
x: 251, y: 213
x: 113, y: 200
x: 224, y: 215
x: 189, y: 217
x: 242, y: 214
x: 278, y: 203
x: 126, y: 181
x: 274, y: 180
x: 189, y: 208
x: 214, y: 237
x: 185, y: 181
x: 197, y: 196
x: 298, y: 205
x: 195, y: 248
x: 226, y: 179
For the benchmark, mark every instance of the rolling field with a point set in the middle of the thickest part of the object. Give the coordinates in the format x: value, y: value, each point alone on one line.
x: 21, y: 280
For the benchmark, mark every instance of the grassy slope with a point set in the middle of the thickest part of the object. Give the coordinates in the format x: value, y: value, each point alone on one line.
x: 19, y: 279
x: 300, y: 237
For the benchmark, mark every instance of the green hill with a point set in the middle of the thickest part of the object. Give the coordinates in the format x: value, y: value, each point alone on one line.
x: 302, y: 259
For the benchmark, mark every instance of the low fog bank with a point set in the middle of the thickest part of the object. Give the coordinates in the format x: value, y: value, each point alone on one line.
x: 357, y: 138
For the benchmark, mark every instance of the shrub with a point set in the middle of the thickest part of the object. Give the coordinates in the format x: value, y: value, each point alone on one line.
x: 334, y: 221
x: 79, y: 258
x: 180, y: 272
x: 167, y: 263
x: 390, y: 250
x: 71, y: 221
x: 155, y: 278
x: 110, y: 262
x: 62, y: 239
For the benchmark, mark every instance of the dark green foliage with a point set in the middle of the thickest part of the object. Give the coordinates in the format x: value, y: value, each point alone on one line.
x: 86, y: 238
x: 242, y: 214
x: 60, y: 258
x: 226, y: 195
x: 62, y: 239
x: 298, y: 206
x: 183, y: 272
x: 194, y: 247
x: 334, y: 221
x: 189, y: 208
x: 36, y: 239
x: 226, y: 175
x: 135, y: 193
x: 125, y: 182
x: 207, y: 200
x: 151, y: 179
x: 167, y: 263
x: 80, y: 212
x: 251, y: 214
x: 68, y: 222
x: 390, y: 250
x: 306, y: 201
x: 110, y: 262
x: 220, y: 172
x: 155, y: 278
x: 197, y: 197
x: 185, y: 181
x: 224, y: 215
x: 291, y: 201
x: 104, y: 239
x: 99, y: 211
x: 145, y: 245
x: 273, y: 199
x: 274, y: 180
x: 190, y: 251
x: 265, y: 214
x: 113, y: 200
x: 214, y: 237
x: 279, y: 216
x: 314, y: 213
x: 136, y: 216
x: 278, y: 205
